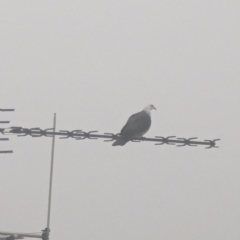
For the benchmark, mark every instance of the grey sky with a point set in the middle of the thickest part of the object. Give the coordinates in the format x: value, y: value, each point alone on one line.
x: 95, y: 63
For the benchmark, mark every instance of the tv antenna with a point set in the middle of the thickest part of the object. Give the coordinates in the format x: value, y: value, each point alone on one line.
x: 80, y: 135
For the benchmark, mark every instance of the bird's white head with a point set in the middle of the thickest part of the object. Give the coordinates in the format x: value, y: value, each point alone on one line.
x: 148, y: 108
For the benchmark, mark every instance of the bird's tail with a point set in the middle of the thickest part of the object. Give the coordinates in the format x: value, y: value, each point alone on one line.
x: 120, y: 141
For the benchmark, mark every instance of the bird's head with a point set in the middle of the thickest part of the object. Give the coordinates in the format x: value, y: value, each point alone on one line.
x: 149, y: 107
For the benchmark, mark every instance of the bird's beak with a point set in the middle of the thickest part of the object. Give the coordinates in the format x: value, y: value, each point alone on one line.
x: 154, y: 108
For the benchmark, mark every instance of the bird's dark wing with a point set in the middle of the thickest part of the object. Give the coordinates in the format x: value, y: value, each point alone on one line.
x: 138, y: 124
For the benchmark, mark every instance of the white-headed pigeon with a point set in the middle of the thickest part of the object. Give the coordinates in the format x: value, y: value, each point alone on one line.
x: 137, y: 125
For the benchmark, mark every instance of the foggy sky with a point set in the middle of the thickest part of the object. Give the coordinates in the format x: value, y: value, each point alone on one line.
x: 95, y: 63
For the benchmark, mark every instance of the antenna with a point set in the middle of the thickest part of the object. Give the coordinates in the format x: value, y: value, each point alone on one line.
x: 81, y: 135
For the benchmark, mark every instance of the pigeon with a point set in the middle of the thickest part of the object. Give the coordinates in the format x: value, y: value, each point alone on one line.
x: 137, y: 125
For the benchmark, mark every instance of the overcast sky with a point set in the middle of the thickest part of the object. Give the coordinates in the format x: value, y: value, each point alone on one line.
x: 95, y: 63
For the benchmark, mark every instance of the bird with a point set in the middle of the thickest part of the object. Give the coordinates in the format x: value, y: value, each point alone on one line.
x: 137, y: 125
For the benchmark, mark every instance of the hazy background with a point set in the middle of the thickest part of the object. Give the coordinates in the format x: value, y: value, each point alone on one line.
x: 95, y: 63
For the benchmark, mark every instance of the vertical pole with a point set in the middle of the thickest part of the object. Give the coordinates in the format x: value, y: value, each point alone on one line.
x: 51, y: 174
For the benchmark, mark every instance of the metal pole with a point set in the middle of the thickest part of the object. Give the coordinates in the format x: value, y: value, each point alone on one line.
x: 21, y: 234
x: 51, y: 173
